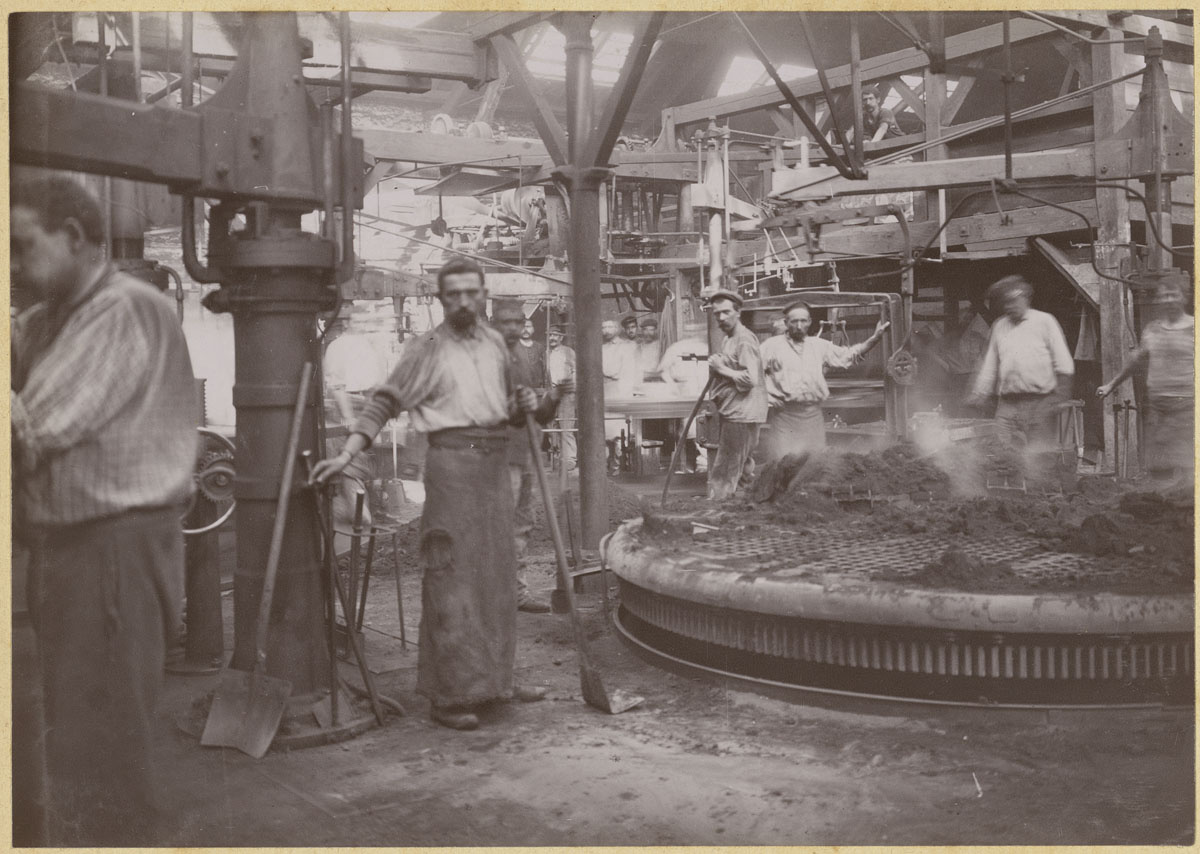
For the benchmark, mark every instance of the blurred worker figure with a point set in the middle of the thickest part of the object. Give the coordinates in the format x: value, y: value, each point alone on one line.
x: 104, y: 416
x: 684, y: 366
x: 352, y: 367
x: 795, y: 365
x: 616, y: 363
x: 509, y: 318
x: 560, y: 366
x: 1027, y: 365
x: 456, y: 382
x: 648, y: 351
x: 1166, y: 355
x: 778, y: 326
x: 740, y: 395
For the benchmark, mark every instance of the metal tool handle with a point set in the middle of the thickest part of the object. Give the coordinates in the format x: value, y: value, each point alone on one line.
x: 683, y: 438
x: 281, y: 509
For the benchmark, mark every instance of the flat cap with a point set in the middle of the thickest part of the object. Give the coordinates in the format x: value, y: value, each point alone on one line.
x: 736, y: 299
x: 648, y: 320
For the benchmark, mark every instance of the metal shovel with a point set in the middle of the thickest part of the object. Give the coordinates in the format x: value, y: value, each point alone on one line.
x: 247, y: 707
x: 594, y: 692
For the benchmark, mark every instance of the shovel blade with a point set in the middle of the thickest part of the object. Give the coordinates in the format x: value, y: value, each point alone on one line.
x: 246, y: 711
x: 598, y: 697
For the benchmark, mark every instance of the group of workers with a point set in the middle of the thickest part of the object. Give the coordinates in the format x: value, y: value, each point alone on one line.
x: 105, y: 442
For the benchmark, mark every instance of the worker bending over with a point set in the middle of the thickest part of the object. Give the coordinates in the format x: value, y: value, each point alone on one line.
x: 1027, y: 365
x: 740, y: 396
x: 457, y: 385
x: 1166, y: 355
x: 104, y: 416
x: 509, y: 317
x: 795, y: 364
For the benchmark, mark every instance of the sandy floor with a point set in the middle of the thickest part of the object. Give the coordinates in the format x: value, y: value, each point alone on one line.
x: 697, y: 763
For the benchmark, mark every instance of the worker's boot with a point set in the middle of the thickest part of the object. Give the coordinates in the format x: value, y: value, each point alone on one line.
x: 454, y: 717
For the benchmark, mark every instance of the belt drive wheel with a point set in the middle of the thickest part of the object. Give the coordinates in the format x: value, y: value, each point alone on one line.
x: 213, y: 502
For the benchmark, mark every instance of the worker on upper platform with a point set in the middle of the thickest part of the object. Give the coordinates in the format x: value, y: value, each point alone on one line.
x: 795, y: 365
x: 740, y: 395
x: 1027, y: 365
x: 878, y: 121
x: 104, y: 415
x: 1167, y: 355
x: 457, y: 383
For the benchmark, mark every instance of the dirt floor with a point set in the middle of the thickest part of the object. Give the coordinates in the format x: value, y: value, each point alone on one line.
x: 699, y: 762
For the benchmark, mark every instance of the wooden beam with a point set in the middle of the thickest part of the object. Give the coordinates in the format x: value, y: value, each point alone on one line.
x: 966, y: 82
x: 608, y: 126
x: 488, y: 24
x: 822, y: 182
x: 960, y: 46
x: 783, y: 123
x: 552, y: 134
x: 911, y: 99
x: 1112, y: 236
x: 1138, y: 25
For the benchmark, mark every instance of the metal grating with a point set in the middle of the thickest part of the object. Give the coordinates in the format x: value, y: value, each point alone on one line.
x: 861, y: 557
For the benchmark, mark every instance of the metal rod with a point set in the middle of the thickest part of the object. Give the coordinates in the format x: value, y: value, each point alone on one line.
x: 186, y: 59
x: 1008, y: 81
x: 328, y: 164
x: 856, y: 90
x: 366, y: 579
x: 102, y: 41
x: 137, y: 56
x: 346, y: 265
x: 355, y: 544
x: 399, y: 594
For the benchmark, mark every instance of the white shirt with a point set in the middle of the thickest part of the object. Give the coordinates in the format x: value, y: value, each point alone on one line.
x: 1023, y: 358
x: 616, y: 362
x: 796, y: 370
x: 690, y: 375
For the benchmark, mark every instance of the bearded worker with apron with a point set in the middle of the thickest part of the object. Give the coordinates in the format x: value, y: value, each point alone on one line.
x: 455, y: 382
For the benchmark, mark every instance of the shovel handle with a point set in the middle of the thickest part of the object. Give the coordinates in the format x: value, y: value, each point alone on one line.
x: 281, y: 510
x: 560, y: 552
x: 687, y: 425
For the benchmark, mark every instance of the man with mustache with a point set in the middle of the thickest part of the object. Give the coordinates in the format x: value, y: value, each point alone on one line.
x: 795, y: 364
x: 456, y: 382
x: 740, y: 397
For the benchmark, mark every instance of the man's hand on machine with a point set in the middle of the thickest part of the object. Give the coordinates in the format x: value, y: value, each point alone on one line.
x: 326, y: 469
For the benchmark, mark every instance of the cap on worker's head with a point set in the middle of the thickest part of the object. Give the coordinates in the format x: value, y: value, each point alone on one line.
x: 558, y: 329
x: 1009, y: 284
x: 629, y: 320
x: 648, y: 320
x: 509, y: 307
x: 736, y: 299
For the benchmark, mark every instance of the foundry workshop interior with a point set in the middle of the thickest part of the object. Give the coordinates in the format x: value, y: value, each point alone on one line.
x: 566, y: 428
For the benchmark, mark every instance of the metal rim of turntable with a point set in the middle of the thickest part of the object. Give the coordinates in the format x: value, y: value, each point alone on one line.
x: 855, y: 636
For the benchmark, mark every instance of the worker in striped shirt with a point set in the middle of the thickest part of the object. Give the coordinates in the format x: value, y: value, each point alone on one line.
x: 104, y: 416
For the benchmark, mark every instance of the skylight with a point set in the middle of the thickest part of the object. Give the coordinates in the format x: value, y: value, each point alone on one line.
x: 746, y: 72
x: 547, y: 56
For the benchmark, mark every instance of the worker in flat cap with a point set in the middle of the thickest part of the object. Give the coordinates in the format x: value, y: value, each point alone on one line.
x: 1027, y: 366
x: 629, y: 330
x: 527, y: 367
x: 560, y: 365
x: 739, y: 391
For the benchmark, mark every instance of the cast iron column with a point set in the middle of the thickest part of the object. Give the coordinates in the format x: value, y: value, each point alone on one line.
x: 274, y: 279
x: 584, y: 180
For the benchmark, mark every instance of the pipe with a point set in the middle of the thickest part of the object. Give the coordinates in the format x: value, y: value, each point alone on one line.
x: 186, y: 61
x: 327, y: 164
x: 137, y: 56
x: 198, y: 272
x: 346, y: 265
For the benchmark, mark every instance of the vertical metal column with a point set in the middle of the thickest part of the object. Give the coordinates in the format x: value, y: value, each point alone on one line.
x: 275, y: 279
x: 584, y: 182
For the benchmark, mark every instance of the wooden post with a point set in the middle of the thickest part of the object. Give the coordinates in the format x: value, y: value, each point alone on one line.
x: 935, y: 99
x: 1112, y: 241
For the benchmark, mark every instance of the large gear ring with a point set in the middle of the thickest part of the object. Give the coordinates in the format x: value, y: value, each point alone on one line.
x: 214, y: 476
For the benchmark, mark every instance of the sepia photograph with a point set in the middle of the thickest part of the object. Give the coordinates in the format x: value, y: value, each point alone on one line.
x: 602, y: 428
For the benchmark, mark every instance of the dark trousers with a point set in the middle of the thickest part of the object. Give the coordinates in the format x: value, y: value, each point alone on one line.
x: 107, y: 597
